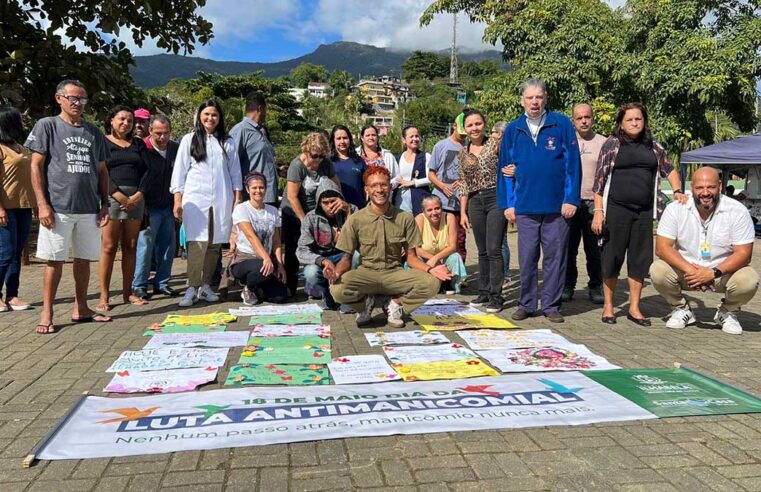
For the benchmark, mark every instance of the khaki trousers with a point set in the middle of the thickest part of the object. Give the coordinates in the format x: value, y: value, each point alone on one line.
x: 739, y: 287
x: 414, y: 287
x: 203, y: 257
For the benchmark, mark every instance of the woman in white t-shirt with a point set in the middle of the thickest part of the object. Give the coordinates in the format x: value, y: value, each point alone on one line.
x: 410, y: 173
x: 258, y: 260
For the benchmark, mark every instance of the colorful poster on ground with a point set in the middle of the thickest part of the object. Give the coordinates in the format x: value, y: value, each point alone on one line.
x: 569, y: 357
x: 269, y: 374
x: 169, y: 358
x: 451, y: 322
x: 286, y: 350
x: 677, y: 392
x: 287, y: 319
x: 353, y: 369
x: 186, y: 340
x: 415, y: 337
x: 290, y: 330
x: 234, y: 417
x: 447, y: 369
x: 498, y: 339
x: 158, y: 328
x: 276, y: 309
x: 446, y: 307
x: 172, y: 381
x: 427, y: 353
x: 199, y: 319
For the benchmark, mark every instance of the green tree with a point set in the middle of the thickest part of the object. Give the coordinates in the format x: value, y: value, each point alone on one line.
x: 425, y: 65
x: 483, y: 68
x: 34, y: 57
x: 341, y: 81
x: 682, y: 58
x: 308, y: 72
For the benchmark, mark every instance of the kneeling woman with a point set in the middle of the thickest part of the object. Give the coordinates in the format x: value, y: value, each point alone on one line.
x: 258, y: 258
x: 439, y: 230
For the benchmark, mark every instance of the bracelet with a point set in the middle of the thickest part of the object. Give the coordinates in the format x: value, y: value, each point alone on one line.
x: 678, y: 191
x: 429, y: 269
x: 599, y: 210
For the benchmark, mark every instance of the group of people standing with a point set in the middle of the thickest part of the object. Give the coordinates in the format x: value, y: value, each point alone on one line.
x: 369, y: 228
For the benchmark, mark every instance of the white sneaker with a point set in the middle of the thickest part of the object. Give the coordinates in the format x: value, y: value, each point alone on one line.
x: 395, y: 314
x: 728, y: 322
x: 206, y: 294
x: 189, y: 298
x: 366, y: 315
x: 680, y: 318
x: 248, y: 297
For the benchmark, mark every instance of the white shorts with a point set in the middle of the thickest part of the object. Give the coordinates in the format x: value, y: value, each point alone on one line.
x: 79, y: 230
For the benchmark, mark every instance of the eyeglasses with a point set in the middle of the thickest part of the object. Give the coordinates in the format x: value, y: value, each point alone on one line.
x: 316, y: 157
x: 75, y: 99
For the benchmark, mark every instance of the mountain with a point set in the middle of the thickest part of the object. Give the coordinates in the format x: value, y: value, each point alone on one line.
x: 357, y: 59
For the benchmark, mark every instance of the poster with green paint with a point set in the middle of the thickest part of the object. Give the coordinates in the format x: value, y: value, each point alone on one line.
x: 676, y: 392
x: 287, y: 319
x: 158, y: 328
x: 291, y: 375
x: 286, y: 350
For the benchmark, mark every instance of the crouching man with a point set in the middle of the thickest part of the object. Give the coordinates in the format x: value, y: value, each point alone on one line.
x: 383, y: 235
x: 706, y: 244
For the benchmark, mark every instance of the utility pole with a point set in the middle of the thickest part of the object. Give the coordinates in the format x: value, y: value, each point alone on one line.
x: 454, y: 79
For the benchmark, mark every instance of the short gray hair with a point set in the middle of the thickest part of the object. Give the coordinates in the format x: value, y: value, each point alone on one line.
x: 61, y: 87
x: 538, y: 83
x: 428, y: 198
x: 499, y: 126
x: 161, y: 119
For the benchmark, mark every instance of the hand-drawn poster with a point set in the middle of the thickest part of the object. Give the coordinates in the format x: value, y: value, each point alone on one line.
x: 569, y: 357
x: 186, y: 340
x: 158, y: 328
x: 290, y: 330
x: 496, y: 339
x: 450, y: 322
x: 172, y: 381
x: 427, y: 353
x: 169, y: 358
x: 269, y: 374
x: 276, y: 309
x: 450, y: 369
x: 416, y: 337
x: 286, y: 350
x: 361, y: 369
x: 446, y: 307
x: 199, y: 319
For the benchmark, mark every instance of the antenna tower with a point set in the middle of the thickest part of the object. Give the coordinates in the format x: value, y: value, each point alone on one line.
x: 454, y: 79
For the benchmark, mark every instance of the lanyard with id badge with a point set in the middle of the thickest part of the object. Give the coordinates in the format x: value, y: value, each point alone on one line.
x: 705, y: 246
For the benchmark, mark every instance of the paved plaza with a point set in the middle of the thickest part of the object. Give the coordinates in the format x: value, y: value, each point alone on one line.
x: 42, y: 376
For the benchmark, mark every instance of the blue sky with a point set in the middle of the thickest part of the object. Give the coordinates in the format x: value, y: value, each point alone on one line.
x: 274, y: 30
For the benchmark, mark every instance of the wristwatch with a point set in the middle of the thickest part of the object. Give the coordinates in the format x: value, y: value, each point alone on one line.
x: 717, y: 273
x: 679, y: 190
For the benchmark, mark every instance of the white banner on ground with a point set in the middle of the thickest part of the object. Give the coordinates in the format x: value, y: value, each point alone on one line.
x: 223, y: 339
x: 104, y: 427
x: 275, y: 309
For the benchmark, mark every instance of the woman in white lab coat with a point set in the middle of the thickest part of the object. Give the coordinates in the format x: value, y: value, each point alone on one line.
x: 207, y: 184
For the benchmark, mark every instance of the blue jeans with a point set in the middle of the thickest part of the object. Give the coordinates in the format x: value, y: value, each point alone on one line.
x: 12, y: 240
x: 317, y: 282
x: 158, y: 239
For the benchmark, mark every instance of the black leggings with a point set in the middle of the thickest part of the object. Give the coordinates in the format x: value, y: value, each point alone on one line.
x: 249, y: 272
x: 290, y: 233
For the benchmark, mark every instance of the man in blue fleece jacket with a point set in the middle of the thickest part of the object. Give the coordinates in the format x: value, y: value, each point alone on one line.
x: 540, y: 194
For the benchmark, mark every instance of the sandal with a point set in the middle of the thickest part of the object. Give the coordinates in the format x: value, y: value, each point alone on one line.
x: 46, y: 329
x: 103, y: 307
x: 93, y: 318
x: 136, y: 300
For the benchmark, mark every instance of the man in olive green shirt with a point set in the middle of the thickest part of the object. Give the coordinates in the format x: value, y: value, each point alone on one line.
x: 383, y: 235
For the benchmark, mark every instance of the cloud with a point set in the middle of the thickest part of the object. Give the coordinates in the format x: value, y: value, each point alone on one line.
x: 394, y: 24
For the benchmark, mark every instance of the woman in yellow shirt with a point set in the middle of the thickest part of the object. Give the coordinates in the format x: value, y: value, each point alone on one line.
x: 16, y: 204
x: 439, y: 230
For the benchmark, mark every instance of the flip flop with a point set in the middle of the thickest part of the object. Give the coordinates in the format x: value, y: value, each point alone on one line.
x: 49, y: 329
x: 137, y: 301
x: 94, y: 318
